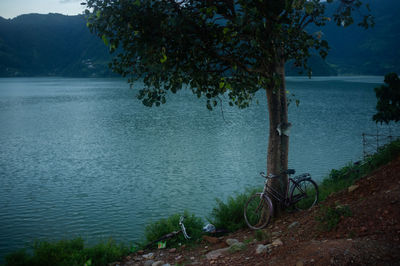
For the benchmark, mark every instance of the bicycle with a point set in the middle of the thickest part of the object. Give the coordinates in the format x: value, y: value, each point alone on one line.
x: 303, y: 195
x: 172, y: 234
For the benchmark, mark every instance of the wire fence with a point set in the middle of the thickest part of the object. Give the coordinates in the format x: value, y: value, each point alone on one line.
x: 372, y: 142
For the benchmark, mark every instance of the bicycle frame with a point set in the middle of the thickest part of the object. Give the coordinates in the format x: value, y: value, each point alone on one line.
x: 273, y: 193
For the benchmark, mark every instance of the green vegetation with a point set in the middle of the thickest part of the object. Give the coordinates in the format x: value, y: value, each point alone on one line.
x: 229, y: 214
x: 68, y: 252
x: 388, y: 95
x: 193, y: 225
x: 346, y: 176
x: 330, y: 217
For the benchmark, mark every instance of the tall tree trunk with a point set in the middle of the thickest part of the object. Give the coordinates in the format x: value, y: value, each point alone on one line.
x: 278, y: 142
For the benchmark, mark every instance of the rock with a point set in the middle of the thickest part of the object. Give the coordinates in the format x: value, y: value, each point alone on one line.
x: 172, y: 250
x: 277, y: 233
x: 149, y: 263
x: 213, y: 255
x: 140, y: 252
x: 277, y: 242
x: 148, y: 256
x: 158, y: 263
x: 237, y: 246
x: 166, y: 264
x: 293, y: 225
x: 262, y: 249
x: 352, y: 188
x: 231, y: 241
x: 210, y: 239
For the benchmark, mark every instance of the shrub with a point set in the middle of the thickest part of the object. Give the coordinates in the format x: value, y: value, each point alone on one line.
x: 67, y: 252
x: 329, y: 217
x: 229, y: 215
x: 156, y: 230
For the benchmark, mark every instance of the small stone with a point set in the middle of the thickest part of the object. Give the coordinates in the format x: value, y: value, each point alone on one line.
x: 191, y: 258
x: 293, y: 225
x: 231, y: 241
x: 237, y: 246
x: 148, y: 256
x: 149, y: 263
x: 352, y: 188
x: 364, y: 229
x: 277, y: 242
x: 172, y: 250
x: 213, y: 255
x: 179, y: 257
x: 210, y: 239
x: 299, y: 263
x: 158, y: 263
x: 262, y: 249
x: 276, y: 234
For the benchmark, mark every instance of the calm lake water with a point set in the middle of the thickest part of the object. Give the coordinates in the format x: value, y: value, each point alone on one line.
x: 83, y: 157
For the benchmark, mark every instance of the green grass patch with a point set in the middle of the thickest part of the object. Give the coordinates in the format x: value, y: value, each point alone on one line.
x: 229, y: 215
x: 329, y: 217
x: 67, y: 252
x: 193, y: 225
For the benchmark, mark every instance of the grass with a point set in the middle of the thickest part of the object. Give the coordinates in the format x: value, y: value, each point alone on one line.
x: 193, y: 226
x: 229, y: 215
x: 329, y: 217
x: 67, y: 252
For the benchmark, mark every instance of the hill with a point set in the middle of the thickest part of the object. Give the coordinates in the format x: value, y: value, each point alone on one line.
x: 50, y: 45
x: 367, y: 233
x: 58, y: 45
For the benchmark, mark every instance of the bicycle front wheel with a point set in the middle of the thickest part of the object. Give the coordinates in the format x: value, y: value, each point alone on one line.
x: 304, y: 194
x: 257, y: 211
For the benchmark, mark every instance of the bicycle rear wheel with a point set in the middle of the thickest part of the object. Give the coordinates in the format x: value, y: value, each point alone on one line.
x: 304, y: 194
x: 257, y: 211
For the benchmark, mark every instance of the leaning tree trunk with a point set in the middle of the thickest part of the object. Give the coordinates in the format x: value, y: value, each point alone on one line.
x: 278, y: 142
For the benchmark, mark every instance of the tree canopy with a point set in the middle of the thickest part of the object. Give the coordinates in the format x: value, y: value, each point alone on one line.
x: 388, y: 95
x: 214, y: 47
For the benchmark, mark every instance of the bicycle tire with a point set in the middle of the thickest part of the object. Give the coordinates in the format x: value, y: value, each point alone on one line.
x: 304, y: 194
x: 258, y: 211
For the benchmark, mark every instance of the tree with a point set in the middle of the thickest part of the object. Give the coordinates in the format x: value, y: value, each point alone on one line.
x: 216, y: 48
x: 388, y: 105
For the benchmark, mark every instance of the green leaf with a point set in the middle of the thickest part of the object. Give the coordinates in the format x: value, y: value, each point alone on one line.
x: 221, y: 84
x: 137, y: 3
x: 309, y: 6
x: 105, y: 40
x: 163, y: 59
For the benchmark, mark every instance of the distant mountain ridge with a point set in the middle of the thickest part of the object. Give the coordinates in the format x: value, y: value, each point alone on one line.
x: 59, y: 45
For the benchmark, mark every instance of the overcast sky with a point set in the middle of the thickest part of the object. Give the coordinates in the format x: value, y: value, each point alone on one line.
x: 13, y: 8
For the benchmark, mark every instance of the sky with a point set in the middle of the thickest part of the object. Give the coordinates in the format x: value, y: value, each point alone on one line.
x: 13, y: 8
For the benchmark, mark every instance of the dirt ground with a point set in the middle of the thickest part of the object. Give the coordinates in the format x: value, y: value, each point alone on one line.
x: 369, y: 236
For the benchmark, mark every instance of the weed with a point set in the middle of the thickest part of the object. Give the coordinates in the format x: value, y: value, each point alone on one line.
x: 68, y: 252
x: 262, y: 235
x: 229, y: 215
x: 329, y: 217
x: 157, y: 229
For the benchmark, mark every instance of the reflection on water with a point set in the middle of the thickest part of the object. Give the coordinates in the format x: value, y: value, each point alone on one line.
x: 82, y: 157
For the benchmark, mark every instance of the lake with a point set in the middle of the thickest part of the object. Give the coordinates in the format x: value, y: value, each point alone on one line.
x: 83, y: 157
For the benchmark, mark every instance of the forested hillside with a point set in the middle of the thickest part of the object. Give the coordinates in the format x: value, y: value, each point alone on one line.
x: 58, y: 45
x: 50, y: 45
